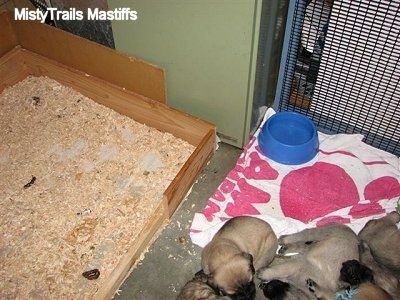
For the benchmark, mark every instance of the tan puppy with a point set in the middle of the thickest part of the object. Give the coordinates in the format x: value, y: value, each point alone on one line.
x: 382, y: 275
x: 383, y: 239
x: 242, y: 245
x: 361, y: 284
x: 279, y: 290
x: 320, y: 253
x: 198, y: 289
x: 380, y: 251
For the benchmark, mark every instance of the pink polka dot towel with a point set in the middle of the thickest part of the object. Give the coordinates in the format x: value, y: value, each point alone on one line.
x: 348, y: 182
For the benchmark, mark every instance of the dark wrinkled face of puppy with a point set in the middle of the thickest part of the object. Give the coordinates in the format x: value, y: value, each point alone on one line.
x: 245, y: 292
x: 274, y: 289
x: 235, y: 278
x: 355, y: 273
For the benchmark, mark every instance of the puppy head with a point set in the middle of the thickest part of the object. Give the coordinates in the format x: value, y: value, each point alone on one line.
x: 197, y: 288
x: 245, y: 292
x: 234, y: 278
x: 355, y: 273
x: 394, y: 217
x: 375, y: 225
x: 275, y: 289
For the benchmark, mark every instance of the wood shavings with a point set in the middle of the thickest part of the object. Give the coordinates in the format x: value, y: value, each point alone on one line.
x: 99, y: 177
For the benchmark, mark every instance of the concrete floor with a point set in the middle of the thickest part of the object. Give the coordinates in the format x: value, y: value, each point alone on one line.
x: 172, y: 260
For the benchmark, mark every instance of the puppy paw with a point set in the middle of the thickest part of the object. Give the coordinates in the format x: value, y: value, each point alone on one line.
x: 282, y: 250
x: 263, y: 284
x: 311, y: 285
x: 394, y: 216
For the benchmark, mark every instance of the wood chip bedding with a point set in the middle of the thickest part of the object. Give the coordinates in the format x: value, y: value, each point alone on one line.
x: 78, y: 182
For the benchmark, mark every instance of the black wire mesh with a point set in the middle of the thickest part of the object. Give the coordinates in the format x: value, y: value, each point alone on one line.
x: 343, y: 68
x: 42, y: 6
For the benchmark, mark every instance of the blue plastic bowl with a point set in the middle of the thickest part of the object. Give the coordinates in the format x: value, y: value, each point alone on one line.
x: 289, y: 138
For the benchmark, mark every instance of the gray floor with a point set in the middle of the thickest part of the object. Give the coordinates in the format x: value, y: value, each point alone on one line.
x: 172, y: 260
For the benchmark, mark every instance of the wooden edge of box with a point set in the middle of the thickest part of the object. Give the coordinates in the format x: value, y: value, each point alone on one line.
x: 92, y: 58
x: 120, y: 273
x: 8, y: 39
x: 139, y: 108
x: 12, y: 69
x: 185, y: 178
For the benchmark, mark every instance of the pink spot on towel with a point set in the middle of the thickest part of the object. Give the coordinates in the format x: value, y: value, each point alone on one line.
x: 337, y: 152
x: 382, y: 188
x: 227, y: 186
x: 259, y: 169
x: 333, y: 219
x: 244, y: 199
x: 235, y: 174
x: 210, y: 210
x: 218, y: 196
x: 366, y: 210
x: 315, y: 191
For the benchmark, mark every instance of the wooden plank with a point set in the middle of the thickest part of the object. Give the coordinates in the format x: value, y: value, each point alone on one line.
x: 141, y: 109
x: 139, y: 245
x: 7, y: 36
x: 183, y: 181
x: 97, y: 60
x: 12, y: 69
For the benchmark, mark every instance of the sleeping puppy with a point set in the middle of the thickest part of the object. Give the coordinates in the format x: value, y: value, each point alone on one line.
x: 361, y: 278
x: 383, y: 239
x: 242, y: 245
x: 361, y: 284
x: 320, y: 253
x: 198, y: 289
x: 358, y: 277
x: 383, y: 277
x: 280, y: 290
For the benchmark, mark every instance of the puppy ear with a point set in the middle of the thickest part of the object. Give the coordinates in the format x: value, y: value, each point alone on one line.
x: 200, y: 273
x: 201, y: 276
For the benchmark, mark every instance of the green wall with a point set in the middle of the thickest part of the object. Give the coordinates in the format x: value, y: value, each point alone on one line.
x: 206, y: 47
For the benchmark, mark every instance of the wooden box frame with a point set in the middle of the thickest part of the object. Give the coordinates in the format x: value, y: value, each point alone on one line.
x: 123, y: 83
